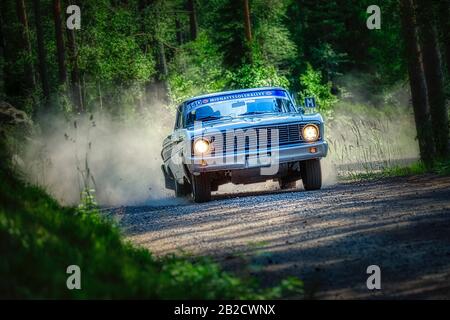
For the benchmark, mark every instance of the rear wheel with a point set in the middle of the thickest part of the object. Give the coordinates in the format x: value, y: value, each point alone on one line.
x: 201, y: 188
x: 311, y: 174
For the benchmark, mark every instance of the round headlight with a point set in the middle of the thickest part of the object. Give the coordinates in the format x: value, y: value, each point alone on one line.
x: 201, y: 146
x: 310, y: 133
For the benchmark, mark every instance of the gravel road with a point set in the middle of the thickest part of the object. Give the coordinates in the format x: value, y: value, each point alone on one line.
x: 327, y: 238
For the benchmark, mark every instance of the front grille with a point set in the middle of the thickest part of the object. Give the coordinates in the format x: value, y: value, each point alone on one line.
x: 288, y: 134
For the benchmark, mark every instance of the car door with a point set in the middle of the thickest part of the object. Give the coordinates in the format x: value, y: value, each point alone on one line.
x: 175, y: 144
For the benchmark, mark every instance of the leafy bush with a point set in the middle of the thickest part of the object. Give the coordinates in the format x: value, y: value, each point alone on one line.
x: 111, y: 59
x: 272, y: 39
x: 257, y: 75
x: 328, y: 59
x: 313, y: 86
x: 110, y: 51
x: 196, y: 69
x: 39, y: 240
x: 440, y: 167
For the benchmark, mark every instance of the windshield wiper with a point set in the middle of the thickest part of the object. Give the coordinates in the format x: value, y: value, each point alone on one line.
x: 212, y: 118
x: 254, y: 112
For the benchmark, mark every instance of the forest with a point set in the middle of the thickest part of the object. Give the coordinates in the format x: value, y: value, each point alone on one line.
x: 384, y: 93
x: 128, y: 54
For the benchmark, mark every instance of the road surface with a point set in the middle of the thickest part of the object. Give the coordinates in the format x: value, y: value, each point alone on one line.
x: 327, y: 238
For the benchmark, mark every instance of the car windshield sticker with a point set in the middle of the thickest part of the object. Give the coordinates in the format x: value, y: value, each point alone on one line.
x: 236, y: 96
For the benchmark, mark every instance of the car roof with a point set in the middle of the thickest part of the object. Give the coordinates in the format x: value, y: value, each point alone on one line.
x: 215, y: 94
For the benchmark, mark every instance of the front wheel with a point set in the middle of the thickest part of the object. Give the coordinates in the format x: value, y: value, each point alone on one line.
x: 201, y: 188
x: 311, y: 174
x: 182, y: 190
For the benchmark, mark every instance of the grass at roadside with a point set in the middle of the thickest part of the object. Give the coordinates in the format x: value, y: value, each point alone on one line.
x: 439, y: 167
x: 39, y: 239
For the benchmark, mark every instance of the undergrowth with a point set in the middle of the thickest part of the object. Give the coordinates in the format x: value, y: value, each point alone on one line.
x: 440, y: 167
x: 39, y: 239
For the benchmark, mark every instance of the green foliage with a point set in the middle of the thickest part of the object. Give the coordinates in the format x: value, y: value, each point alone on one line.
x: 121, y: 46
x: 196, y: 68
x: 111, y: 58
x: 275, y: 45
x: 223, y: 22
x: 385, y: 48
x: 257, y: 75
x: 440, y: 167
x: 389, y: 172
x: 313, y: 86
x: 319, y: 30
x: 329, y: 60
x: 332, y: 36
x: 272, y: 39
x: 39, y: 240
x: 109, y: 48
x: 88, y: 204
x: 264, y: 62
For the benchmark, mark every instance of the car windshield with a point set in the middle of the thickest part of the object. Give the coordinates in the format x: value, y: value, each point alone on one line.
x: 238, y: 108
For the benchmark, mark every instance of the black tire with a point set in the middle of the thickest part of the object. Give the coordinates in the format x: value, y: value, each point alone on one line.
x: 311, y: 174
x: 182, y: 190
x: 287, y: 184
x: 201, y: 188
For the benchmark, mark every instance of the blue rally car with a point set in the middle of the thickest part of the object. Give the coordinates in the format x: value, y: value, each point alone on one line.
x: 242, y: 137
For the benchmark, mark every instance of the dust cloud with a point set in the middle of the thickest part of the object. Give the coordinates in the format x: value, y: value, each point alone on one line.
x: 119, y: 159
x: 368, y: 134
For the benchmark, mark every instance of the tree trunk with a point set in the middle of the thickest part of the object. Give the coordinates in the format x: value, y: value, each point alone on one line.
x: 142, y: 5
x: 433, y: 76
x: 42, y: 55
x: 193, y: 19
x: 247, y: 24
x: 10, y: 82
x: 161, y: 83
x: 417, y: 82
x: 25, y: 43
x: 179, y: 31
x: 444, y: 26
x: 77, y: 95
x: 60, y: 51
x: 2, y: 38
x: 162, y: 59
x: 100, y: 95
x: 2, y: 54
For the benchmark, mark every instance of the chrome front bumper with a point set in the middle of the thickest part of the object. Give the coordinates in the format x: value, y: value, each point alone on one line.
x: 250, y: 159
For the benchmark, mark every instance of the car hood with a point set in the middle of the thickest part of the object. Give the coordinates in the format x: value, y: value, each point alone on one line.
x: 249, y: 121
